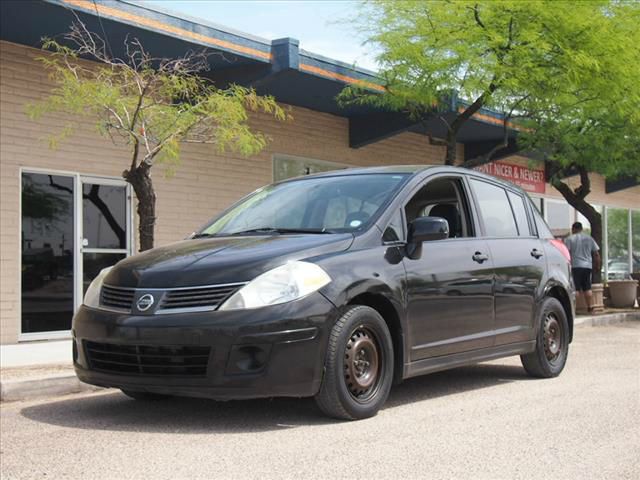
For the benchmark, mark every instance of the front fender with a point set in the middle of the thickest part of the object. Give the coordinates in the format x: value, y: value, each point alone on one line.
x: 377, y: 271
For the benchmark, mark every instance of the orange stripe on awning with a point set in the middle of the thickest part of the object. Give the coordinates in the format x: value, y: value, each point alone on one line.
x: 494, y: 120
x: 148, y: 22
x: 344, y: 78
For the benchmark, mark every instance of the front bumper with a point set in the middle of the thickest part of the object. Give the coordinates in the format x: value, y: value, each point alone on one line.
x: 290, y: 341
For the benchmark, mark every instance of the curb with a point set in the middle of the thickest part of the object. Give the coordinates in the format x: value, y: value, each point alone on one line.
x: 607, y: 319
x: 40, y: 387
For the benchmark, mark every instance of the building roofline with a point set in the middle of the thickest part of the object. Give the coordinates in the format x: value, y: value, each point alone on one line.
x: 279, y: 67
x: 210, y: 34
x: 197, y: 20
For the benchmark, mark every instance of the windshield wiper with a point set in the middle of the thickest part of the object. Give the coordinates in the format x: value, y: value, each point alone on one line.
x: 282, y: 230
x: 202, y: 235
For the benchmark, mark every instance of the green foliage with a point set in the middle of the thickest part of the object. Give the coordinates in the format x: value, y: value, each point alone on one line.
x: 153, y: 105
x: 569, y: 68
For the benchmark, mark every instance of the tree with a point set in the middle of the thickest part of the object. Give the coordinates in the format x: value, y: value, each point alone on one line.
x: 511, y: 56
x: 152, y: 105
x: 584, y: 140
x: 565, y: 71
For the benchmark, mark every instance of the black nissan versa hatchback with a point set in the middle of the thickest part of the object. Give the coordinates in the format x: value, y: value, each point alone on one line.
x: 336, y: 286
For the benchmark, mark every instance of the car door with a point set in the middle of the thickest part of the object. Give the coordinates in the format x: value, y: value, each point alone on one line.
x: 450, y: 286
x: 518, y: 259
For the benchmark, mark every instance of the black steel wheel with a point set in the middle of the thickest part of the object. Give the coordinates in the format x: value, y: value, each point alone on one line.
x: 552, y: 342
x: 358, y: 366
x: 362, y: 362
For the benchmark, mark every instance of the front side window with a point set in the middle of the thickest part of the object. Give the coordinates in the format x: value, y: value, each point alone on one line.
x: 325, y: 204
x: 444, y: 198
x: 495, y: 209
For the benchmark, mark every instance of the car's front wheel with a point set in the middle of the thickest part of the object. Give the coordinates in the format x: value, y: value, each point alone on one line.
x: 358, y: 366
x: 552, y: 342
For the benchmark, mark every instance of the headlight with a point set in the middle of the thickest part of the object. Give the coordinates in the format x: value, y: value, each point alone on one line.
x: 288, y: 282
x: 92, y: 297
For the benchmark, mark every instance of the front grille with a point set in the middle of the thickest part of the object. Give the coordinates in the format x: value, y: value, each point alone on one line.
x: 117, y: 297
x: 205, y: 298
x: 188, y: 361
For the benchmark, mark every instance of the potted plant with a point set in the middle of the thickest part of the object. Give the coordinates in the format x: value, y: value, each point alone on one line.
x: 623, y: 292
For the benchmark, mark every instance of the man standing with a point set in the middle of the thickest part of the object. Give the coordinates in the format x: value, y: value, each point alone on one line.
x: 584, y: 253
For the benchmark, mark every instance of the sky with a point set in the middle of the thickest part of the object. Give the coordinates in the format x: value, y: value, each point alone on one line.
x: 320, y: 26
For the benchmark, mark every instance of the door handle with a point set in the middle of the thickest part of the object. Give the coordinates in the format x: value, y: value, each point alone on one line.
x: 480, y: 257
x: 535, y: 253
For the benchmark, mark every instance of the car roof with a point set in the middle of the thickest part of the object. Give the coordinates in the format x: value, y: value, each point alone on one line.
x: 413, y: 170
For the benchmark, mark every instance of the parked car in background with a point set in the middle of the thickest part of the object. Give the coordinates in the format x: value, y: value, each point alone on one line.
x: 337, y: 286
x: 618, y: 269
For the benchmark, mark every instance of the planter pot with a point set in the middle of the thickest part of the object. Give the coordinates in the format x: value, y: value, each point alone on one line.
x: 636, y: 277
x: 623, y: 293
x: 598, y: 300
x: 598, y: 297
x: 581, y: 306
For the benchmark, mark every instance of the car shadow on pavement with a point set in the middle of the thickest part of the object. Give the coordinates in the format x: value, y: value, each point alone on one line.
x: 116, y: 412
x: 450, y: 382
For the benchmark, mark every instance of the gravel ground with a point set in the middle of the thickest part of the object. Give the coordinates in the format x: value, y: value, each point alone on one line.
x: 485, y: 421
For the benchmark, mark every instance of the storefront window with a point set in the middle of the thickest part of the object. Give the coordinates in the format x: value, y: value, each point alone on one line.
x: 583, y: 220
x: 635, y: 240
x: 618, y: 243
x: 537, y: 201
x: 558, y: 217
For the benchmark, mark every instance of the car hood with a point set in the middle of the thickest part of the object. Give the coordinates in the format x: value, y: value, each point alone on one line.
x: 212, y: 261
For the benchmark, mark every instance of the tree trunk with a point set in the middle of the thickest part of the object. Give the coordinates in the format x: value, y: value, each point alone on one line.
x: 450, y: 154
x: 595, y: 219
x: 140, y: 180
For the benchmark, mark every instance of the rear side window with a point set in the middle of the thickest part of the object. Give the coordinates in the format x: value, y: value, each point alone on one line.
x: 517, y: 203
x: 495, y: 210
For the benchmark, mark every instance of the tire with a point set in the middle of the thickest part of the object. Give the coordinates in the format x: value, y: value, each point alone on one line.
x: 552, y: 342
x: 144, y: 396
x: 356, y: 384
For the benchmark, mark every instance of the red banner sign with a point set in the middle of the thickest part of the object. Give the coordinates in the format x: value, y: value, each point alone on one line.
x: 529, y: 179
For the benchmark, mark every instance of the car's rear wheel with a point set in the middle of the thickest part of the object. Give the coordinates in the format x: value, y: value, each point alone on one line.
x: 358, y: 367
x: 552, y: 342
x: 144, y: 396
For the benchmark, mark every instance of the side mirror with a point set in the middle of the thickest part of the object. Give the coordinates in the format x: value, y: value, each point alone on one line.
x: 425, y: 229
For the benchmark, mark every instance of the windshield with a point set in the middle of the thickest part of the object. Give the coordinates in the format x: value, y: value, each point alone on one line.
x: 313, y: 205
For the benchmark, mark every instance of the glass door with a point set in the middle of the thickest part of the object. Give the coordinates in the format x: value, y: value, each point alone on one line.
x: 48, y: 251
x: 106, y: 229
x: 71, y: 228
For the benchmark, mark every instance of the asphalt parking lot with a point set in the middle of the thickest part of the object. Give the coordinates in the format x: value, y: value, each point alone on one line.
x: 485, y: 421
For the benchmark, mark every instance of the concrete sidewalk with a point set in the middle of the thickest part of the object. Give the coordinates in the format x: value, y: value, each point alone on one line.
x: 44, y: 369
x: 36, y: 353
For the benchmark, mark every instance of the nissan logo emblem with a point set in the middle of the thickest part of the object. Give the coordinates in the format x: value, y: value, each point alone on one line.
x: 145, y: 302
